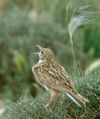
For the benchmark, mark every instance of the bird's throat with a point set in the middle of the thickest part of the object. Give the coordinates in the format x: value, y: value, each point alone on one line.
x: 40, y: 61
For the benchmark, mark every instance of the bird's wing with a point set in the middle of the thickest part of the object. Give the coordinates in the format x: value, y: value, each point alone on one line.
x: 55, y: 76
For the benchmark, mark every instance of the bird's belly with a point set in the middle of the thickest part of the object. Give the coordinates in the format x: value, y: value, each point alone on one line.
x: 46, y: 88
x: 49, y: 90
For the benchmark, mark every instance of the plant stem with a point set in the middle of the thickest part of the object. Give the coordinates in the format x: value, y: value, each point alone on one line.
x: 75, y: 64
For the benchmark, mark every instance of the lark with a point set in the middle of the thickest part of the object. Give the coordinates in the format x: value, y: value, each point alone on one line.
x: 54, y: 78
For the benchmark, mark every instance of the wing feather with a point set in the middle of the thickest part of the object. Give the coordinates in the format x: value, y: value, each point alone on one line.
x: 55, y: 76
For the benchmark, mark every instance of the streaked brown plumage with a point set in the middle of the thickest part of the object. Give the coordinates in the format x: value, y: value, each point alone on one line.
x: 54, y: 78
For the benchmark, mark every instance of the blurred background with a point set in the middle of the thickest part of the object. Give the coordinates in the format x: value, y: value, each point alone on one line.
x: 25, y: 23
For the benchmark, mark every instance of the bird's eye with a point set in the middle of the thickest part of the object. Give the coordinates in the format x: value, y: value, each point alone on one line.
x: 42, y: 52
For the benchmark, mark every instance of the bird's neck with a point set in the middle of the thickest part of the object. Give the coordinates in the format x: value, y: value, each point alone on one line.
x: 43, y: 60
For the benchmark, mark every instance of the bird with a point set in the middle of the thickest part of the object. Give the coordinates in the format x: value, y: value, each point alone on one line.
x: 54, y: 78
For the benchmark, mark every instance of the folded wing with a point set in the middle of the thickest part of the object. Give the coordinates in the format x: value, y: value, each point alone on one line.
x: 56, y: 77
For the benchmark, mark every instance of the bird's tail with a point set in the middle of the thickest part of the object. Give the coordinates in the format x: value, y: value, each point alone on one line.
x: 77, y: 98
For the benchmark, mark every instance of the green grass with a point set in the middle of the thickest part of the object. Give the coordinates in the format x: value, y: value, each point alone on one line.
x: 18, y: 36
x: 33, y: 108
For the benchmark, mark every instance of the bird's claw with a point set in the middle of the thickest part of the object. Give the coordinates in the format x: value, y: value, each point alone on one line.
x: 47, y: 107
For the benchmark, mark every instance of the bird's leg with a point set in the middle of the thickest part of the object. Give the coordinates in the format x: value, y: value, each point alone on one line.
x: 53, y: 97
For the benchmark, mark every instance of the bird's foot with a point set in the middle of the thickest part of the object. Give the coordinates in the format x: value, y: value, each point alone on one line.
x: 47, y: 108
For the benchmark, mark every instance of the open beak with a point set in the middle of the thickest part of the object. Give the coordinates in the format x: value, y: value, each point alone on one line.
x: 36, y: 53
x: 39, y: 48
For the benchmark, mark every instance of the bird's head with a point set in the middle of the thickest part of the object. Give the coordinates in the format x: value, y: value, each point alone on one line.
x: 45, y: 54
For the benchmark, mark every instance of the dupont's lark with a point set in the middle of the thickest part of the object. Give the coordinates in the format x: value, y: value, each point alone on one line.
x: 54, y: 78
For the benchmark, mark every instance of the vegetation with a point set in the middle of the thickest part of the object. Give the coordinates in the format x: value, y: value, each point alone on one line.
x: 27, y: 23
x: 30, y: 108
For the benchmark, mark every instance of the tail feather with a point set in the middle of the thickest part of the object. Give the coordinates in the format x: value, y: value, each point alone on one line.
x: 77, y: 98
x: 74, y: 100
